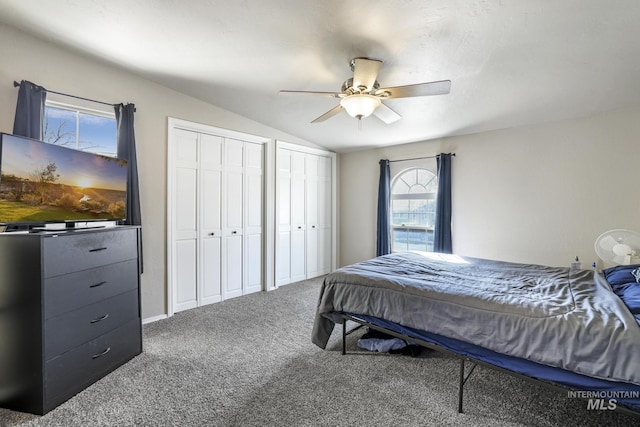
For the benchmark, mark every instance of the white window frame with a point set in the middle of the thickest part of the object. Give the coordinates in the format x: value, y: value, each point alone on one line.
x: 409, y: 196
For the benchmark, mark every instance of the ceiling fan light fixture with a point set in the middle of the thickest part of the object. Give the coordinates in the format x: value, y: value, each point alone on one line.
x: 360, y: 105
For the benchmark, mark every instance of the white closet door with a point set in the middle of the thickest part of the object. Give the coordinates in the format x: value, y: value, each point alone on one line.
x: 283, y: 239
x: 311, y: 204
x: 324, y: 215
x: 298, y: 217
x: 211, y: 150
x: 185, y: 220
x: 233, y: 218
x: 253, y: 218
x: 215, y: 215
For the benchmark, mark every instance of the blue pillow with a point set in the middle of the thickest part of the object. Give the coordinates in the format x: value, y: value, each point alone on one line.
x: 630, y: 295
x: 621, y: 274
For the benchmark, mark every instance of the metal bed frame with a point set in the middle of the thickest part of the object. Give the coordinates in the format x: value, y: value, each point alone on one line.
x: 463, y: 377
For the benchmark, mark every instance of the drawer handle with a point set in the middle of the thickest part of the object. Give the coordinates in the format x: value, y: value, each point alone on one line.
x: 97, y: 249
x: 234, y: 232
x: 95, y: 285
x: 101, y: 318
x: 95, y: 356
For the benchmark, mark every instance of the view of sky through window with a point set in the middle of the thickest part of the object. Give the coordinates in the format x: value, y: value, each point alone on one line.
x: 81, y: 129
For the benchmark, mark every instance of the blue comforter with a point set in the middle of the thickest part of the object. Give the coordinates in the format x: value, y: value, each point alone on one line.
x: 559, y: 317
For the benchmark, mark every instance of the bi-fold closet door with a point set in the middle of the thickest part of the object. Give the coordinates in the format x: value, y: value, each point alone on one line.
x: 216, y: 250
x: 304, y: 215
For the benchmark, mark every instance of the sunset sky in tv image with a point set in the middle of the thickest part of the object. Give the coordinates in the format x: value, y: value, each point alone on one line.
x: 22, y: 158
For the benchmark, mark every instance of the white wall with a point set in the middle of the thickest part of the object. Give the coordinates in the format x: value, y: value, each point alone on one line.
x: 25, y: 58
x: 539, y: 194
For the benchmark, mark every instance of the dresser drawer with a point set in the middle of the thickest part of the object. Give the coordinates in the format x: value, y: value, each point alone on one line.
x: 70, y: 291
x: 68, y: 330
x: 71, y: 372
x: 76, y: 251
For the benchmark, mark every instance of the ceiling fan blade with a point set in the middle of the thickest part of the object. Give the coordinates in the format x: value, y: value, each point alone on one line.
x: 308, y: 92
x: 365, y: 72
x: 421, y: 89
x: 335, y: 110
x: 386, y: 114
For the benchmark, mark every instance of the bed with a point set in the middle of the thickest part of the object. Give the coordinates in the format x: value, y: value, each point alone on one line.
x: 573, y: 329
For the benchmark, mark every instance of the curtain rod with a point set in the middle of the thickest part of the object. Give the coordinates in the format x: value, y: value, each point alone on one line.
x: 417, y: 158
x: 16, y: 84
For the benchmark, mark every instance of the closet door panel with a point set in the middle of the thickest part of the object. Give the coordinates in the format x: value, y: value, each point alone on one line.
x: 186, y: 185
x: 211, y: 256
x: 283, y: 206
x: 186, y: 208
x: 211, y: 151
x: 312, y: 253
x: 324, y: 251
x: 324, y: 203
x: 284, y: 202
x: 312, y: 202
x: 283, y: 258
x: 297, y: 202
x: 298, y: 270
x: 211, y: 201
x: 186, y: 274
x: 253, y: 261
x: 254, y: 202
x: 234, y: 200
x: 233, y: 282
x: 186, y: 147
x: 210, y: 198
x: 234, y: 153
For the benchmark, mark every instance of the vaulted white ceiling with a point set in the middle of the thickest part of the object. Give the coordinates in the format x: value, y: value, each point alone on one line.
x: 511, y: 62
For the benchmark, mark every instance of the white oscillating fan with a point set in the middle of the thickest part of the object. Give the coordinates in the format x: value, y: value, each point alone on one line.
x: 619, y: 247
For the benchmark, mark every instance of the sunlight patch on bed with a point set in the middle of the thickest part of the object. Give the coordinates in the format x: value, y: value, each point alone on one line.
x: 452, y: 258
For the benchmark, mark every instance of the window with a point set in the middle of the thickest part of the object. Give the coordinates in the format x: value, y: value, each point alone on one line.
x: 80, y: 128
x: 413, y: 210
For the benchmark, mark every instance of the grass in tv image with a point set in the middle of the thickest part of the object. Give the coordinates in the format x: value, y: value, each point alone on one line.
x: 40, y: 183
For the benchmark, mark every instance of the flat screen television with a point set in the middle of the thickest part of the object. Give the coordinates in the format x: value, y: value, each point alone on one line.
x: 43, y: 183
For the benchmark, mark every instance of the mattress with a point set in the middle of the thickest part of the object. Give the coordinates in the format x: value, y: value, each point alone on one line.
x: 557, y: 317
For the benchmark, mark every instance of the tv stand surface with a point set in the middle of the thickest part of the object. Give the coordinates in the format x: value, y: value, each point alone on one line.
x: 45, y: 230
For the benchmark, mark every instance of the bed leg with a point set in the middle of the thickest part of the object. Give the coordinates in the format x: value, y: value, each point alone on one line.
x: 461, y: 387
x: 344, y: 337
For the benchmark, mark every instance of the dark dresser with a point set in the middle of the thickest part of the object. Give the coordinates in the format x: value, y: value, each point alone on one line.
x: 69, y: 312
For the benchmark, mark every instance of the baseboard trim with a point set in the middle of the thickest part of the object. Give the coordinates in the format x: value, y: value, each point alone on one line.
x: 154, y: 319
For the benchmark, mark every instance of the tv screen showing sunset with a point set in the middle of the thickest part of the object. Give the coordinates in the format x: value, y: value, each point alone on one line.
x: 41, y: 182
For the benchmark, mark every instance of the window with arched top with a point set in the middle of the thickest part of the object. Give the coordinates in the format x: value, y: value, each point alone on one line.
x: 413, y: 210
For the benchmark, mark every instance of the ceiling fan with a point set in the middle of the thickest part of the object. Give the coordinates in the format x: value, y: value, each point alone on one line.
x: 362, y: 95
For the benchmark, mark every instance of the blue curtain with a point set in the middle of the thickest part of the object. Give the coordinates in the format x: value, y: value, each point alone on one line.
x: 29, y: 110
x: 442, y: 232
x: 127, y: 151
x: 383, y: 245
